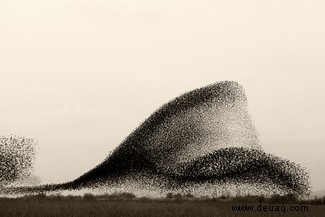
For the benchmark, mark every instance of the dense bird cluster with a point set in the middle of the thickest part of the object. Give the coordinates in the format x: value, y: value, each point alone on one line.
x: 246, y: 166
x: 203, y: 136
x: 202, y: 141
x: 17, y: 155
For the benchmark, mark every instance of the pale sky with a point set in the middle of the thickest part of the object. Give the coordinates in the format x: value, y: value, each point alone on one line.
x: 80, y: 75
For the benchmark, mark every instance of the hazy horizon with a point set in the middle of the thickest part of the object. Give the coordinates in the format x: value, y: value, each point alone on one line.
x: 79, y: 76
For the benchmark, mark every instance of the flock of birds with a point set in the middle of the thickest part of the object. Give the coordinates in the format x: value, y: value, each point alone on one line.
x: 203, y: 142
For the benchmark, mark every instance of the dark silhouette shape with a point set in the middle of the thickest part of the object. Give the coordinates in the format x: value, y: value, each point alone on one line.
x: 205, y: 136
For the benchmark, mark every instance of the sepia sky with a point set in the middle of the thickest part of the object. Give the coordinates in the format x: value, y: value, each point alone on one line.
x: 80, y: 75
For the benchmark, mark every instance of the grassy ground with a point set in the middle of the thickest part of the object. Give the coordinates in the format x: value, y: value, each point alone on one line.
x: 38, y: 207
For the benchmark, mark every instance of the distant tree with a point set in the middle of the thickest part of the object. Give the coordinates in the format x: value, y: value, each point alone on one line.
x: 40, y: 196
x: 291, y: 198
x: 88, y: 196
x: 224, y: 197
x: 127, y: 195
x: 17, y: 155
x: 189, y: 195
x: 174, y: 196
x: 119, y: 195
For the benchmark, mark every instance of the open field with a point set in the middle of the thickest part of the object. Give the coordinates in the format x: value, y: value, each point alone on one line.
x: 41, y: 206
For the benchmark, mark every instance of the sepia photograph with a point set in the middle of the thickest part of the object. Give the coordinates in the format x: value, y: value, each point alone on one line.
x: 162, y: 108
